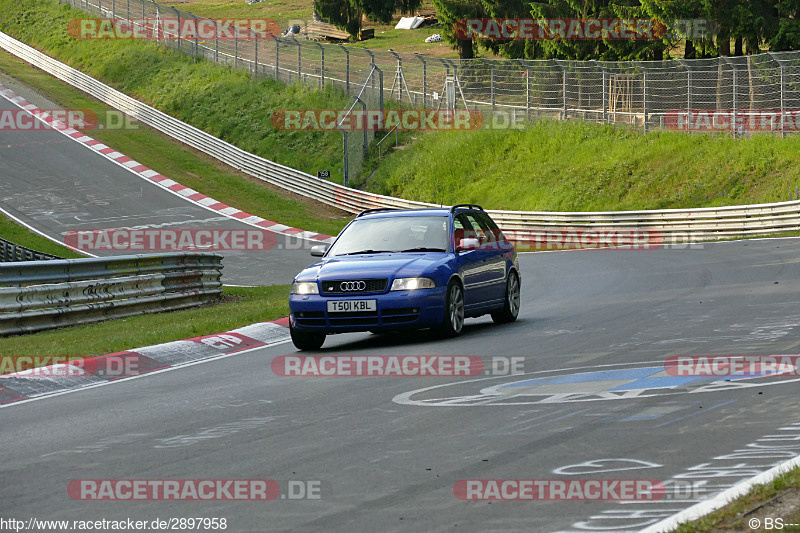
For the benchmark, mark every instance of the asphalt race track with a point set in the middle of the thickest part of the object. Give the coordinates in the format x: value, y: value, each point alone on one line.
x: 386, y: 452
x: 56, y: 185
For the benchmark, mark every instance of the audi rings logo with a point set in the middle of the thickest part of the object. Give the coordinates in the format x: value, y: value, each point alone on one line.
x: 350, y: 286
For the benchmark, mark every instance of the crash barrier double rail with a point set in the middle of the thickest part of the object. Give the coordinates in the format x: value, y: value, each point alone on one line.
x: 673, y: 225
x: 38, y: 295
x: 10, y: 251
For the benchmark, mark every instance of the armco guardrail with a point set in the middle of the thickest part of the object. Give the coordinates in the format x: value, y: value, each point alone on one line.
x: 10, y: 251
x: 674, y: 225
x: 38, y: 295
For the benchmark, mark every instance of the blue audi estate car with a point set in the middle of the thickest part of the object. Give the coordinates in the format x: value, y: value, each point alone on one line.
x: 392, y: 269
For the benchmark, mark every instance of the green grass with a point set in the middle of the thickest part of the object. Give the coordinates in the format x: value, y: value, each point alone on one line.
x: 576, y: 166
x: 11, y: 231
x: 731, y: 517
x: 241, y: 306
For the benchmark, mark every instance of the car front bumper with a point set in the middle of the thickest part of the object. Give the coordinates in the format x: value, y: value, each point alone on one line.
x: 417, y: 309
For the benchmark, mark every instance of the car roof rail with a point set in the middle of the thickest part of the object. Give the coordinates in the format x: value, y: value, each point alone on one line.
x: 367, y: 211
x: 465, y: 206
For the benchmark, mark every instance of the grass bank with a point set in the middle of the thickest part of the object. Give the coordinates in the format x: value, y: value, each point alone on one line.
x: 574, y: 166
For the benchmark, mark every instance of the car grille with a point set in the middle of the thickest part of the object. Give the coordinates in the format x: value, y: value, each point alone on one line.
x: 361, y: 286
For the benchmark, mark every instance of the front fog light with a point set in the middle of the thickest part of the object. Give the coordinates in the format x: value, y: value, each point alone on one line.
x: 305, y: 287
x: 411, y: 284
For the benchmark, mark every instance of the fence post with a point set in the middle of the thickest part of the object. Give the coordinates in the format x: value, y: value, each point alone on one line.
x: 563, y: 89
x: 783, y: 93
x: 235, y: 47
x: 366, y: 138
x: 605, y: 88
x: 255, y: 56
x: 128, y: 11
x: 491, y: 84
x: 424, y: 79
x: 688, y: 91
x: 644, y: 94
x: 380, y: 84
x: 347, y: 69
x: 735, y: 96
x: 345, y: 162
x: 216, y: 42
x: 322, y: 64
x: 113, y: 9
x: 372, y: 62
x: 178, y: 15
x: 299, y: 60
x: 196, y: 38
x: 277, y: 56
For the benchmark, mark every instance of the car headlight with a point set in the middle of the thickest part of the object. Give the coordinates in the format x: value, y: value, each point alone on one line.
x: 305, y: 287
x: 411, y: 284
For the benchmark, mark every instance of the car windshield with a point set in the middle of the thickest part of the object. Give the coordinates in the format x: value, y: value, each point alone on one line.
x: 393, y: 234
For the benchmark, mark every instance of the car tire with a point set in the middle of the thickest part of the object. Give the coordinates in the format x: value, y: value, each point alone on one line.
x: 453, y: 322
x: 511, y: 303
x: 303, y: 340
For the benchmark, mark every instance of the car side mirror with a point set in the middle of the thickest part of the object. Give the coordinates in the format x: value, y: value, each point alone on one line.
x: 319, y: 250
x: 467, y: 244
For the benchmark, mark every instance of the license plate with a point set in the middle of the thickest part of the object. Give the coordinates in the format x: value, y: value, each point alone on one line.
x: 349, y: 306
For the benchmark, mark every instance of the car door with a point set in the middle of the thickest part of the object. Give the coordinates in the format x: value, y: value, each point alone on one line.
x: 496, y: 248
x: 469, y: 263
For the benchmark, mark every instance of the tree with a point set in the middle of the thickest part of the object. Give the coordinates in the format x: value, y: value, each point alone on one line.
x: 347, y: 14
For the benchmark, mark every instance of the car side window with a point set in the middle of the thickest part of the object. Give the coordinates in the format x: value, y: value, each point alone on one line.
x: 482, y: 230
x: 462, y: 229
x: 488, y: 224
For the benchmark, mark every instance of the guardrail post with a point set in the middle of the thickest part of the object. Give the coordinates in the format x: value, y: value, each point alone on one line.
x: 347, y: 69
x: 424, y: 80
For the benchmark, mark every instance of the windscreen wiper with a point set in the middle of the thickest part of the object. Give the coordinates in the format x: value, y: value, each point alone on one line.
x: 424, y: 249
x: 369, y: 252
